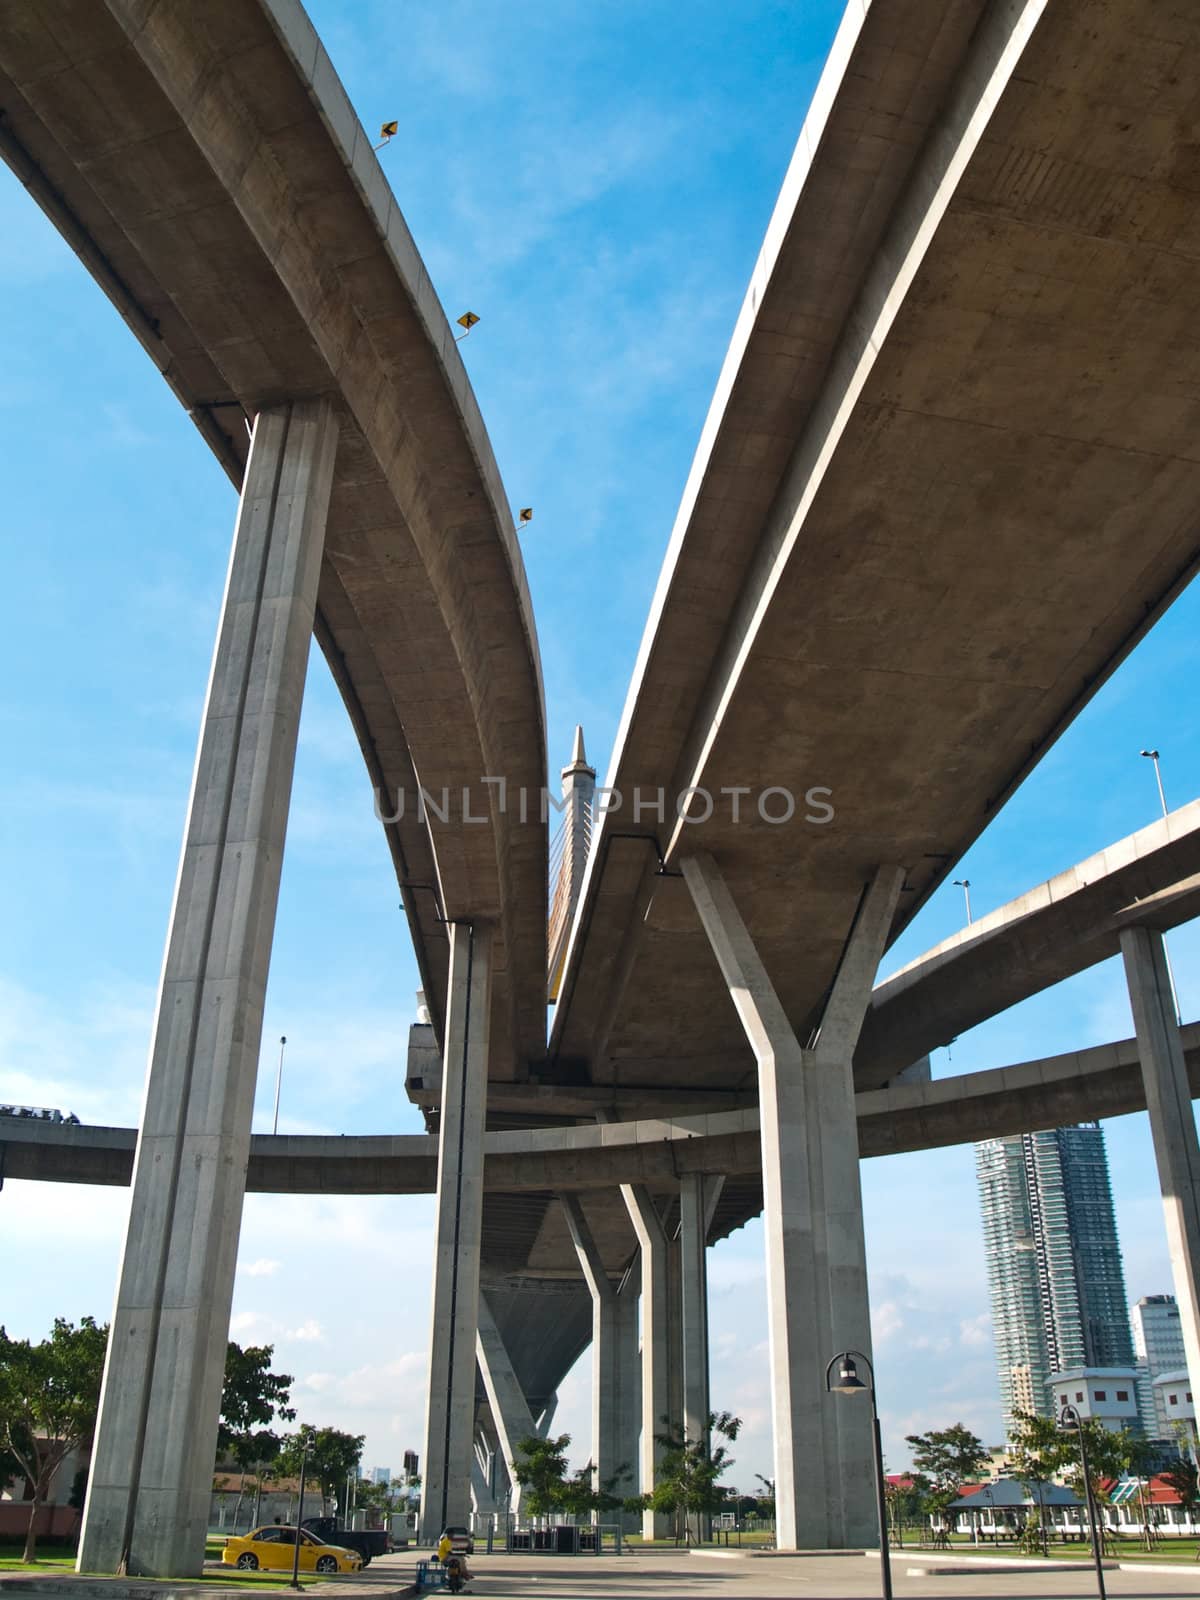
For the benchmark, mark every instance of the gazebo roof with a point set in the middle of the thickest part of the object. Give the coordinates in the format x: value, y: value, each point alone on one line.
x: 1009, y: 1493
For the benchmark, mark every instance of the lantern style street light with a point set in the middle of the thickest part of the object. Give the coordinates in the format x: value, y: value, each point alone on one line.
x: 849, y: 1382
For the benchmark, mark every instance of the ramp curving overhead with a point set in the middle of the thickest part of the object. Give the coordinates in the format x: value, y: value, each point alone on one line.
x: 948, y: 480
x: 207, y: 167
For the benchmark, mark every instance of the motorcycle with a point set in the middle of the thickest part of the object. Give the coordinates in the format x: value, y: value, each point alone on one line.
x: 456, y: 1573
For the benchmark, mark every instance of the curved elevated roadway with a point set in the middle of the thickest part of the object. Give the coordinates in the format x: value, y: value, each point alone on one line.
x: 206, y: 165
x: 1103, y: 1081
x: 947, y: 482
x: 1063, y: 927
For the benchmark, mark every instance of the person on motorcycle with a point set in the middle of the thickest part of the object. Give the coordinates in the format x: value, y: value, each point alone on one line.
x: 455, y: 1565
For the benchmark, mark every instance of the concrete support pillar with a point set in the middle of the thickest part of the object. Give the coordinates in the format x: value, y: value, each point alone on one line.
x: 1172, y: 1121
x: 812, y: 1215
x: 694, y: 1212
x: 611, y: 1375
x: 450, y: 1411
x: 151, y: 1474
x: 546, y: 1419
x: 485, y: 1473
x: 659, y: 1343
x: 629, y: 1395
x: 697, y: 1200
x: 510, y: 1409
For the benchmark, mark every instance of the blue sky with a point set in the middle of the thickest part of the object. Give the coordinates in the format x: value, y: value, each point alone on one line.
x: 594, y: 182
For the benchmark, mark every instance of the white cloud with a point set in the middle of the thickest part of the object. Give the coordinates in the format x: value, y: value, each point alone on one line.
x: 976, y: 1330
x: 309, y: 1332
x: 87, y: 1055
x: 264, y: 1267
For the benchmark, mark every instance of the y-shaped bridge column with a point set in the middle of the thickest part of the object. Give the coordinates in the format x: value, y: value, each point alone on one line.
x: 812, y: 1215
x: 454, y: 1322
x: 1172, y: 1122
x: 151, y: 1475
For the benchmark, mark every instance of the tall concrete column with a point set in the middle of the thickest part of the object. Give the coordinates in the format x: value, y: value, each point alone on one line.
x: 151, y: 1474
x: 629, y: 1395
x: 696, y: 1201
x: 610, y: 1378
x: 659, y: 1343
x: 695, y: 1207
x: 546, y: 1420
x: 510, y: 1409
x: 817, y: 1298
x: 454, y: 1321
x: 1172, y: 1121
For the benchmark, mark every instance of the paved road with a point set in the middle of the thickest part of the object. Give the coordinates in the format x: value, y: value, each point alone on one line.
x: 663, y: 1576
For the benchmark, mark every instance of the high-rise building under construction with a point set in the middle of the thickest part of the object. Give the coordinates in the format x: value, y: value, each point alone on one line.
x: 1054, y: 1262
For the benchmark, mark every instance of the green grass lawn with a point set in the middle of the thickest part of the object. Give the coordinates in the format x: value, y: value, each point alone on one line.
x: 1168, y: 1548
x: 54, y: 1559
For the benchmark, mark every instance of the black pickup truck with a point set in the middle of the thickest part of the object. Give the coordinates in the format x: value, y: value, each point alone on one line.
x: 367, y: 1541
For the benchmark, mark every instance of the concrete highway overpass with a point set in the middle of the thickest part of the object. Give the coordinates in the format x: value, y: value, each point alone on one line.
x: 946, y: 483
x: 1062, y: 927
x: 1080, y: 1085
x: 206, y: 166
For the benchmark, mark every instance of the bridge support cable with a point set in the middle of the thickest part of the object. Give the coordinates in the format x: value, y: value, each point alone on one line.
x: 151, y: 1474
x: 817, y: 1300
x: 1172, y: 1120
x: 454, y: 1320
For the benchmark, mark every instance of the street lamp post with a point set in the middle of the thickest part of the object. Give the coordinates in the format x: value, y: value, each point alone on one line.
x: 1152, y: 755
x: 965, y: 885
x: 278, y: 1082
x: 1070, y: 1421
x: 299, y: 1516
x: 849, y: 1382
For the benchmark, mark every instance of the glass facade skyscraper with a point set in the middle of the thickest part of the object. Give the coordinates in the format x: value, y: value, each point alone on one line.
x: 1054, y: 1262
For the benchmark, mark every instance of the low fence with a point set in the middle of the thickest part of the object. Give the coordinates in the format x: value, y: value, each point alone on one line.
x: 52, y: 1521
x: 564, y: 1539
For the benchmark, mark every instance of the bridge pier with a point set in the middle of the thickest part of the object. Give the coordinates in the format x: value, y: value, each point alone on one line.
x: 454, y: 1320
x: 156, y: 1436
x: 1172, y: 1121
x: 510, y: 1409
x: 817, y: 1300
x: 660, y: 1342
x: 614, y: 1358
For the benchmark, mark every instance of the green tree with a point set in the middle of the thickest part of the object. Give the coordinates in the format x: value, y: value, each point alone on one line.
x: 685, y: 1480
x: 766, y: 1502
x: 49, y: 1396
x: 541, y: 1470
x: 1110, y: 1453
x: 904, y: 1500
x: 332, y: 1457
x: 948, y: 1458
x: 252, y: 1396
x: 1185, y: 1480
x: 1036, y: 1453
x: 548, y: 1485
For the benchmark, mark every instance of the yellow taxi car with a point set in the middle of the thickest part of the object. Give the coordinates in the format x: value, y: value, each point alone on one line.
x: 274, y: 1549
